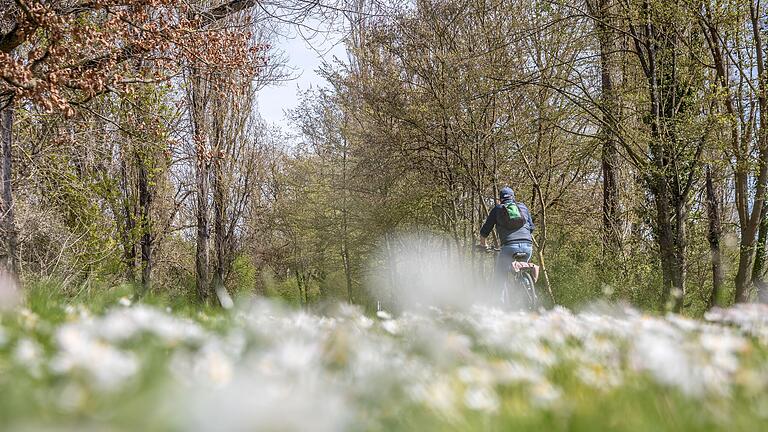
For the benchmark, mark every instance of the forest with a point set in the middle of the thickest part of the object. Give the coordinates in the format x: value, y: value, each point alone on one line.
x: 151, y: 217
x: 133, y: 150
x: 633, y: 130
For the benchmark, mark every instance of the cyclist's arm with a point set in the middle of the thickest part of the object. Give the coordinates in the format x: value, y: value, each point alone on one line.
x: 487, y: 227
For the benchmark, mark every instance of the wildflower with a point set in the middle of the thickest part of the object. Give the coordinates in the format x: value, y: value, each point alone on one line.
x: 77, y: 312
x: 541, y: 355
x: 481, y: 398
x: 475, y: 375
x: 107, y: 366
x: 510, y: 372
x: 391, y: 326
x: 439, y: 396
x: 255, y: 402
x: 723, y: 348
x: 544, y: 394
x: 29, y: 319
x: 457, y: 344
x: 122, y: 324
x: 599, y: 376
x: 213, y: 366
x: 364, y: 322
x: 29, y: 354
x: 664, y: 358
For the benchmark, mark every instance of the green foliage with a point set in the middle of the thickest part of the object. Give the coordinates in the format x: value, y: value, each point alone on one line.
x: 244, y: 275
x: 333, y: 287
x: 442, y: 104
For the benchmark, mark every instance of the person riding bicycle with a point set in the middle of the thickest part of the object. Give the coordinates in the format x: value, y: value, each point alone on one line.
x: 514, y: 226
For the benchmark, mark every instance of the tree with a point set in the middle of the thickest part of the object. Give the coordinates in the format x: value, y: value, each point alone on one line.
x: 610, y: 104
x: 737, y: 53
x: 76, y: 51
x: 9, y: 264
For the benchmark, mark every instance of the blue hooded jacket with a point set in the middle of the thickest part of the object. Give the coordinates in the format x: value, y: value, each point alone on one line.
x: 506, y: 236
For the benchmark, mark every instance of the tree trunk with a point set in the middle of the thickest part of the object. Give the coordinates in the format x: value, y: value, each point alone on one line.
x: 610, y: 154
x: 128, y: 225
x: 145, y: 201
x: 758, y: 269
x: 758, y: 31
x: 201, y: 253
x: 750, y: 223
x: 9, y: 261
x: 542, y: 244
x: 715, y: 230
x: 198, y: 109
x: 221, y: 247
x: 611, y: 222
x: 746, y: 253
x: 301, y: 285
x: 347, y: 270
x: 670, y: 232
x: 345, y: 217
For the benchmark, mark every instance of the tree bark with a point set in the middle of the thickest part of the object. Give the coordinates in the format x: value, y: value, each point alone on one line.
x: 128, y: 224
x: 610, y: 110
x: 670, y: 230
x: 198, y: 109
x: 145, y: 201
x: 9, y: 262
x: 758, y: 269
x: 611, y: 222
x: 201, y: 253
x: 219, y: 219
x: 715, y: 230
x: 345, y: 218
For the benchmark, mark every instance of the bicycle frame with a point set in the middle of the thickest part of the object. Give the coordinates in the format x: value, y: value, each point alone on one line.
x: 521, y: 279
x: 521, y: 274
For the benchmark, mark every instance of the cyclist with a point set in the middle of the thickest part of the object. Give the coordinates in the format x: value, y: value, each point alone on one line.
x: 514, y: 233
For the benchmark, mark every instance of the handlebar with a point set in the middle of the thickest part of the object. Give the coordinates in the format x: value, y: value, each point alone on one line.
x: 486, y: 249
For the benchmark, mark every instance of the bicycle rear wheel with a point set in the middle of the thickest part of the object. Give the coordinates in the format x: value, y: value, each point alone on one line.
x: 529, y: 288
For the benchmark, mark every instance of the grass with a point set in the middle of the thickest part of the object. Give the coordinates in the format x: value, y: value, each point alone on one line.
x: 270, y: 367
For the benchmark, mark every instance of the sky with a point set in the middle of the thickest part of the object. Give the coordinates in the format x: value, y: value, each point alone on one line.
x: 304, y: 61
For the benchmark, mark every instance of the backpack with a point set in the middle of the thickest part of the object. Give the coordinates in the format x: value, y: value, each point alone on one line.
x: 510, y: 216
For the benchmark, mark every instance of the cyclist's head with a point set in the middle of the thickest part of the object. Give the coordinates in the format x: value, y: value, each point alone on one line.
x: 506, y: 193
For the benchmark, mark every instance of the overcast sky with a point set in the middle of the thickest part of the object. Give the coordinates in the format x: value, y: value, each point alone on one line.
x: 275, y: 99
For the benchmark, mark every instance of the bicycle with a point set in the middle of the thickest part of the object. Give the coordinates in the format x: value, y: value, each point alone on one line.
x: 522, y: 276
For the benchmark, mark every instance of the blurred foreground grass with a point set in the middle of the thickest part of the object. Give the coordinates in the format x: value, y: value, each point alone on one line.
x: 103, y: 363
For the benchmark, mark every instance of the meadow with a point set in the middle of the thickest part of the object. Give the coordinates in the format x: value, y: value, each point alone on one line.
x: 116, y: 365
